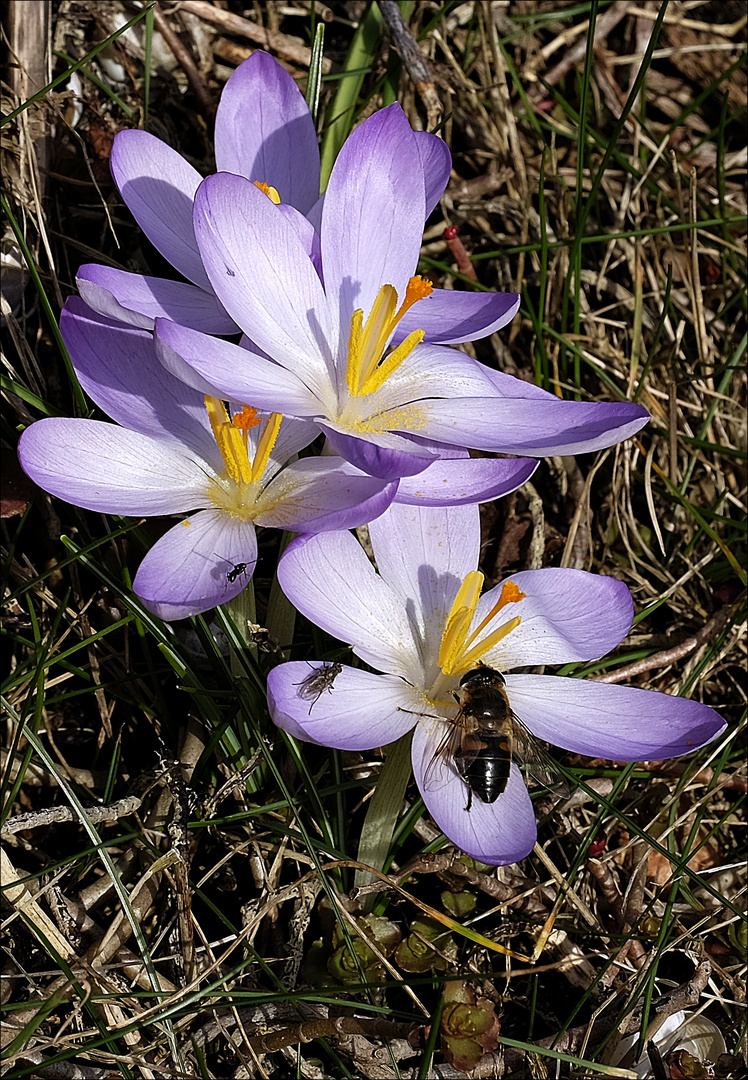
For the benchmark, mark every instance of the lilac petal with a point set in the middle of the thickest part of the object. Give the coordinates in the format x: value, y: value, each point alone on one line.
x: 118, y: 367
x: 423, y: 554
x: 107, y: 468
x: 262, y: 274
x: 239, y: 373
x: 330, y: 580
x: 359, y: 712
x: 449, y: 317
x: 264, y: 131
x: 495, y: 833
x: 159, y: 187
x: 294, y: 435
x: 322, y: 494
x: 533, y: 427
x: 471, y: 480
x: 372, y: 221
x: 566, y: 615
x: 436, y: 161
x: 431, y: 371
x: 138, y: 300
x: 191, y: 568
x: 383, y: 455
x: 610, y: 721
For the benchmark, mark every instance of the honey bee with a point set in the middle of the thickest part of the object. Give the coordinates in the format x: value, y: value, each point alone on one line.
x: 486, y: 736
x: 320, y: 679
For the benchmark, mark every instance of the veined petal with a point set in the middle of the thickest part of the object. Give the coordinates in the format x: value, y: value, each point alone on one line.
x: 496, y: 833
x: 436, y: 162
x: 237, y: 372
x: 423, y: 554
x: 322, y: 494
x: 431, y: 371
x: 264, y: 131
x: 139, y: 300
x: 360, y: 712
x: 194, y: 566
x: 566, y: 615
x: 531, y: 426
x: 383, y: 454
x: 470, y: 480
x: 372, y: 221
x: 107, y: 468
x: 330, y: 580
x: 449, y: 317
x: 117, y: 366
x: 605, y: 720
x: 159, y: 187
x: 262, y: 274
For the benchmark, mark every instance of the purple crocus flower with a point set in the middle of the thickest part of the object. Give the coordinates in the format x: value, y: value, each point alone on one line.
x: 420, y: 619
x: 264, y: 132
x: 324, y: 309
x: 174, y: 450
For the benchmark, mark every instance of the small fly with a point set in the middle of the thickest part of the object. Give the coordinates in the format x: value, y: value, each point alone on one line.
x: 320, y: 679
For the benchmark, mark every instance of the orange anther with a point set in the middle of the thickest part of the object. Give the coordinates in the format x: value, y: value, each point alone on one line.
x: 246, y: 419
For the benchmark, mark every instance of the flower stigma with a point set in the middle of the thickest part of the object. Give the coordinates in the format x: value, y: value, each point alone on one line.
x: 367, y: 371
x: 237, y: 490
x: 460, y: 650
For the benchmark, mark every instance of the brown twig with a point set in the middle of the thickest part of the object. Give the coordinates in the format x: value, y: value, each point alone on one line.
x: 417, y: 64
x: 199, y: 87
x: 607, y: 21
x: 670, y: 656
x: 290, y: 48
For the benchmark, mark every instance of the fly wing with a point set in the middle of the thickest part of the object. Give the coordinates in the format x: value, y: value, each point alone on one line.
x: 446, y: 749
x: 534, y: 760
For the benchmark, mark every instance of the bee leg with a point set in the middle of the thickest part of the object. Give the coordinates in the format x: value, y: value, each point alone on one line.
x: 470, y: 800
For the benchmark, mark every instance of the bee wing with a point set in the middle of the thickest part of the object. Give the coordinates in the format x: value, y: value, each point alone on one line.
x: 533, y: 759
x: 447, y: 748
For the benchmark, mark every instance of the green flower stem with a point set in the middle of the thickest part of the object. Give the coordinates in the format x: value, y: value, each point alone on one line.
x: 281, y: 616
x: 384, y: 810
x: 243, y: 614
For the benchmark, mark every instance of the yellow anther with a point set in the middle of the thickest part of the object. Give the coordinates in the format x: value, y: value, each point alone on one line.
x: 458, y: 651
x: 271, y: 192
x: 366, y: 371
x: 265, y: 444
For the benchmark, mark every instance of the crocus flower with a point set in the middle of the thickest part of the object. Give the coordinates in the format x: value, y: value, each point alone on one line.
x: 323, y: 311
x: 264, y: 132
x: 421, y: 621
x: 174, y: 450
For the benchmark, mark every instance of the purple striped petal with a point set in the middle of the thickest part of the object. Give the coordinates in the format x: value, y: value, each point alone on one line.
x: 497, y: 833
x: 448, y: 317
x: 241, y: 374
x: 322, y: 494
x: 262, y: 274
x: 159, y: 188
x: 107, y: 468
x: 139, y: 300
x: 264, y: 131
x: 436, y: 162
x: 470, y: 480
x: 359, y: 712
x: 372, y: 221
x: 566, y: 615
x: 383, y: 455
x: 330, y: 580
x: 531, y: 426
x: 118, y: 367
x: 194, y: 566
x: 605, y: 720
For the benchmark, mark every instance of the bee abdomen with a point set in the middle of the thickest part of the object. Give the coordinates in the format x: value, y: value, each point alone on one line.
x: 485, y: 766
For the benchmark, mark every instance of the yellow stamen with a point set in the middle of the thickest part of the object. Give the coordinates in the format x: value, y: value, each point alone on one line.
x: 271, y: 192
x: 367, y: 342
x: 265, y: 444
x: 458, y: 651
x: 231, y: 437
